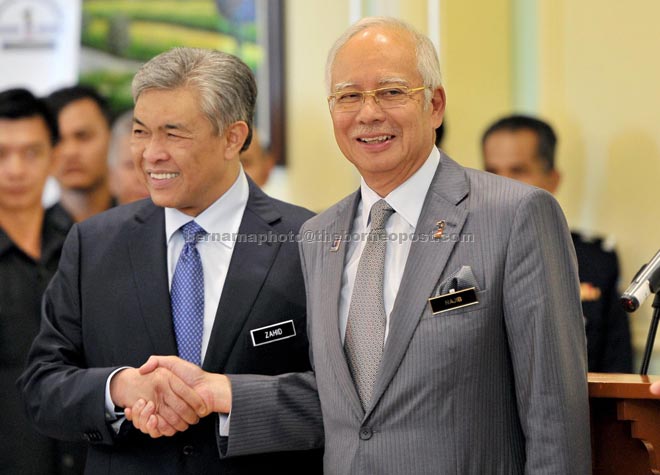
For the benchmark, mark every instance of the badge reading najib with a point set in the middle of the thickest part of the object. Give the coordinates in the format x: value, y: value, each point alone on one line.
x: 272, y: 333
x: 452, y: 300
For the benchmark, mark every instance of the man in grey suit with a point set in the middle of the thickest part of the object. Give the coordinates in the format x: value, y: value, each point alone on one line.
x: 457, y: 346
x: 132, y: 283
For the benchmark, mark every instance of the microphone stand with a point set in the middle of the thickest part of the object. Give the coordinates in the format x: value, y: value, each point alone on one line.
x: 654, y: 286
x: 652, y: 331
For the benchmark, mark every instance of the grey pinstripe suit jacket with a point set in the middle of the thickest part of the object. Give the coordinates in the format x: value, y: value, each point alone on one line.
x: 495, y: 388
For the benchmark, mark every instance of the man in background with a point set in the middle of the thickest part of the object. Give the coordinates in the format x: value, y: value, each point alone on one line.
x: 257, y: 162
x: 523, y: 148
x: 125, y: 183
x: 81, y: 157
x: 206, y: 269
x: 31, y: 239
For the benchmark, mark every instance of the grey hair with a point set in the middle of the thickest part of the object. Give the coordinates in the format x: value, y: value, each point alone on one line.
x: 122, y: 127
x: 226, y: 85
x: 428, y: 64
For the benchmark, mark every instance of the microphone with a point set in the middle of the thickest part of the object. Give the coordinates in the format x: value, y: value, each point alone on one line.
x: 645, y: 282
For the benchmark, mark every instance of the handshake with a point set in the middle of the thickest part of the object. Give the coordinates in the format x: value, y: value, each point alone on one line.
x: 167, y: 395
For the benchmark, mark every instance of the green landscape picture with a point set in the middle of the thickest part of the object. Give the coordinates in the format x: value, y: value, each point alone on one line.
x: 119, y: 35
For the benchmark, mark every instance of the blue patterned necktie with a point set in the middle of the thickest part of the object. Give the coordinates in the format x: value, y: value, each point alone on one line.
x: 187, y: 295
x: 365, y: 328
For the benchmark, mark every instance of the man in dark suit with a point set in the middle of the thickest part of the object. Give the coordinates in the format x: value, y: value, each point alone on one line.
x: 234, y: 279
x: 443, y: 302
x: 523, y: 148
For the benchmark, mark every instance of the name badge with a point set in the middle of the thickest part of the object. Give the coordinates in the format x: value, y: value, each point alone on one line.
x: 272, y: 333
x: 452, y: 300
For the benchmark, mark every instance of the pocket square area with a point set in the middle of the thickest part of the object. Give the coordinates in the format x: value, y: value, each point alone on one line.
x: 463, y: 278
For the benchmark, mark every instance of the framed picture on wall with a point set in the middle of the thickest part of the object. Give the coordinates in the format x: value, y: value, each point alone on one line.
x: 117, y: 36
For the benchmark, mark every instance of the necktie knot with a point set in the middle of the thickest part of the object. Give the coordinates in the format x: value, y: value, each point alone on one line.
x: 380, y: 213
x: 192, y: 232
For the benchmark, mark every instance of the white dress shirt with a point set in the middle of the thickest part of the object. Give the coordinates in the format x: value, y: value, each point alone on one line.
x: 407, y: 201
x: 220, y: 220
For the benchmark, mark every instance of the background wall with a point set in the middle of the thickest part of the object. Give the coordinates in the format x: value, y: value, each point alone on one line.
x: 318, y: 175
x: 590, y: 68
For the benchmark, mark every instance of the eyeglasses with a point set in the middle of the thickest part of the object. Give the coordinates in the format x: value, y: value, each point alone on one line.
x: 385, y: 97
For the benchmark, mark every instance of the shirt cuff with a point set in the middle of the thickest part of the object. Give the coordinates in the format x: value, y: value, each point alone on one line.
x: 111, y: 411
x: 223, y: 424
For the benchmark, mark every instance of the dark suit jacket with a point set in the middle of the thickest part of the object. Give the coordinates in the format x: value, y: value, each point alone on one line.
x: 608, y: 333
x: 109, y: 306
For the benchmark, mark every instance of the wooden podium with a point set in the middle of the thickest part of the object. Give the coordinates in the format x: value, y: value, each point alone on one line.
x: 625, y: 424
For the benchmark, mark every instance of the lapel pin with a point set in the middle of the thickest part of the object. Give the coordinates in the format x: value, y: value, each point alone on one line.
x: 335, y: 244
x: 441, y: 229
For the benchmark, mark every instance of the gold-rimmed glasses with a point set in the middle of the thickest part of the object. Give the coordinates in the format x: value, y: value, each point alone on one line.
x: 385, y: 97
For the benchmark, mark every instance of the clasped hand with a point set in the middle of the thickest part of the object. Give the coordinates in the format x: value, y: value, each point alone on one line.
x: 167, y: 394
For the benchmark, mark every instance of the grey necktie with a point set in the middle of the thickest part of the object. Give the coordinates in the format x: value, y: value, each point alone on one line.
x: 365, y: 329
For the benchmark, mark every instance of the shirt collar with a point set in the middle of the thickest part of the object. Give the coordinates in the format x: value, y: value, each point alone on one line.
x: 223, y: 216
x: 56, y: 217
x: 55, y: 226
x: 408, y: 198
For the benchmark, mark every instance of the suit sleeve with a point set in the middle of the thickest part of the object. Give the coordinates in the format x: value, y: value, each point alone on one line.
x: 546, y: 336
x: 64, y: 398
x: 275, y: 413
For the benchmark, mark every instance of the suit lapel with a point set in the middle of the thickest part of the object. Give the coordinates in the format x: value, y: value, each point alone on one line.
x: 425, y: 263
x: 148, y: 257
x: 330, y: 290
x: 249, y: 267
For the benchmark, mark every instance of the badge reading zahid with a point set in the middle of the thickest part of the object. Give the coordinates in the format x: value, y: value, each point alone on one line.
x: 273, y: 333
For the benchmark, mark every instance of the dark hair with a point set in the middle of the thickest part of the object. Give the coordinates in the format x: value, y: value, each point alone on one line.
x: 547, y: 139
x: 22, y: 104
x: 61, y: 98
